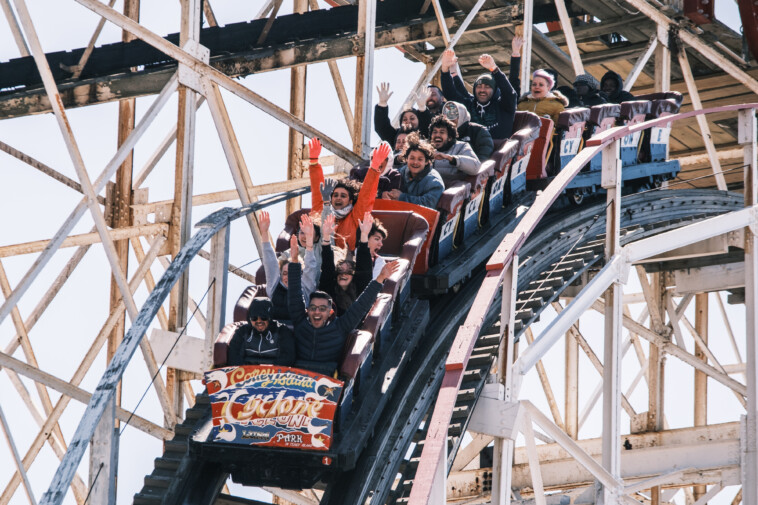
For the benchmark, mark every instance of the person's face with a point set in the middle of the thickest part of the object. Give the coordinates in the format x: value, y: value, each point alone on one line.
x: 609, y: 86
x: 416, y: 162
x: 439, y: 137
x: 581, y: 89
x: 319, y: 311
x: 259, y: 323
x: 540, y: 87
x: 375, y: 243
x: 409, y: 120
x: 301, y: 239
x: 340, y: 198
x: 435, y: 99
x: 483, y: 92
x: 283, y: 276
x: 400, y: 141
x: 344, y: 275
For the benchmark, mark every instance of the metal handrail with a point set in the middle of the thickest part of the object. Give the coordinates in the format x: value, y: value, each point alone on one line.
x: 435, y: 444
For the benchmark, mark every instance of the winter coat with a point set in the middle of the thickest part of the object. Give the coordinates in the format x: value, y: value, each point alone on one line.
x: 274, y: 346
x: 328, y: 283
x: 424, y: 189
x: 320, y: 349
x: 497, y: 114
x: 594, y: 97
x: 383, y: 126
x: 477, y: 136
x: 552, y: 105
x: 465, y: 162
x: 620, y: 95
x: 346, y: 227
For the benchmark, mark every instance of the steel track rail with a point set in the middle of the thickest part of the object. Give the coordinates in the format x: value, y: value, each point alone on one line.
x: 562, y: 249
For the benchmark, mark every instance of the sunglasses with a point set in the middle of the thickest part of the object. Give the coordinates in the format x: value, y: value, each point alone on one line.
x: 318, y: 308
x: 259, y: 318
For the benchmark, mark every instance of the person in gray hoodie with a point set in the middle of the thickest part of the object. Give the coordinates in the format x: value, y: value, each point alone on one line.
x: 477, y: 136
x: 453, y: 159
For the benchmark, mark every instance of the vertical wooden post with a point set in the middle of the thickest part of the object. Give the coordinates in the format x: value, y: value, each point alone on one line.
x: 181, y: 209
x: 526, y: 51
x: 503, y: 450
x: 701, y: 380
x: 662, y: 60
x: 364, y: 76
x: 571, y: 400
x: 747, y: 138
x: 297, y: 109
x: 656, y: 369
x: 218, y: 271
x: 611, y: 458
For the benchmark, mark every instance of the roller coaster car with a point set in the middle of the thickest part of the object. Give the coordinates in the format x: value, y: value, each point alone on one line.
x: 289, y: 427
x: 643, y: 153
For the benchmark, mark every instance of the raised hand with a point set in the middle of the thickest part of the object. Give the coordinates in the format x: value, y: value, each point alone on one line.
x: 294, y: 249
x: 387, y: 270
x: 314, y: 149
x: 306, y: 225
x: 326, y: 188
x: 448, y: 60
x: 384, y: 93
x: 422, y: 97
x: 327, y: 228
x: 487, y: 62
x: 380, y: 154
x: 264, y: 222
x: 516, y: 44
x: 365, y: 226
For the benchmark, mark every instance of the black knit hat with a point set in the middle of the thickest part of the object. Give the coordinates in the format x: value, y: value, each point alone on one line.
x: 485, y: 79
x: 588, y: 80
x: 260, y: 307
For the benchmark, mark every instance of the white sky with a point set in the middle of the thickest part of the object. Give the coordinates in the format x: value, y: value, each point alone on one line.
x: 33, y: 207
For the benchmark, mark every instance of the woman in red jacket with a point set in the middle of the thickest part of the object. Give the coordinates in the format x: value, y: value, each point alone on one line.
x: 348, y: 211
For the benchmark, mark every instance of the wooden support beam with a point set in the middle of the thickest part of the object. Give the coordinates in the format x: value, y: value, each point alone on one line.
x: 85, y: 239
x: 700, y: 414
x: 702, y: 122
x: 45, y: 169
x: 77, y: 70
x: 16, y: 457
x: 545, y: 381
x: 269, y: 22
x: 298, y: 88
x: 639, y: 65
x: 568, y: 31
x: 18, y: 37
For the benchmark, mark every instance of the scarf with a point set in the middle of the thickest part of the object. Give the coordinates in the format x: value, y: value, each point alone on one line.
x: 342, y: 213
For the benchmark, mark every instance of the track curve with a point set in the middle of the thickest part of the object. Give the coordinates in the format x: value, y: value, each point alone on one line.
x: 565, y: 245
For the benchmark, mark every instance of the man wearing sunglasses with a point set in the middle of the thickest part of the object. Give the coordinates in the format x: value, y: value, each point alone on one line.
x: 262, y: 341
x: 319, y: 339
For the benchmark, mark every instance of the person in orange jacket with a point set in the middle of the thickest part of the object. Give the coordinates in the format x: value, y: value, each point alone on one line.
x: 347, y: 209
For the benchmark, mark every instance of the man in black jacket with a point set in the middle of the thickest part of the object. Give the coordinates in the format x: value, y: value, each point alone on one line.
x: 319, y: 339
x: 262, y: 340
x: 493, y: 103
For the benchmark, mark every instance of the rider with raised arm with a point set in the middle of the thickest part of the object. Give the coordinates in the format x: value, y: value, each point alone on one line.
x: 335, y: 195
x: 319, y: 339
x: 412, y: 119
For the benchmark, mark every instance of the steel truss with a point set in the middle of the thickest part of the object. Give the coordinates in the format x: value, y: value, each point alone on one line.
x: 128, y: 225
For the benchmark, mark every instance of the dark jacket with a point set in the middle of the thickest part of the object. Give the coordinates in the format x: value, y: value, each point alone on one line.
x: 478, y: 137
x: 388, y: 181
x: 497, y: 114
x: 320, y: 349
x: 275, y: 346
x: 328, y: 280
x: 620, y: 95
x: 383, y: 126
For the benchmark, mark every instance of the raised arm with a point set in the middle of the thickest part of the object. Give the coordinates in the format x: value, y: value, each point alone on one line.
x: 367, y: 194
x: 382, y: 124
x: 514, y: 74
x: 358, y: 310
x: 270, y: 263
x: 450, y: 89
x: 310, y: 267
x: 316, y: 174
x: 328, y: 272
x: 508, y: 97
x: 295, y: 301
x: 363, y: 263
